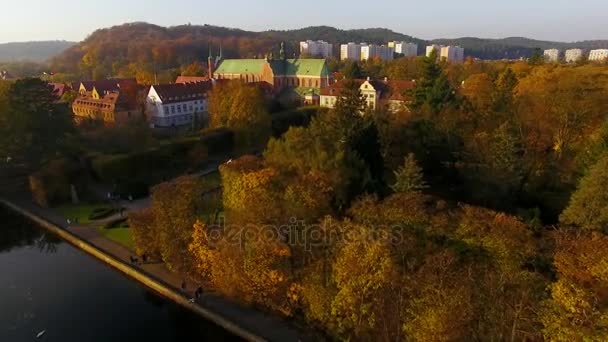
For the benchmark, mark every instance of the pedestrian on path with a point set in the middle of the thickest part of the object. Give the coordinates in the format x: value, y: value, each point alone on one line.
x: 69, y: 222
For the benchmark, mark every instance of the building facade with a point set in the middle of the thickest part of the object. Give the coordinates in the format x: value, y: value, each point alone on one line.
x: 371, y: 51
x: 392, y: 94
x: 110, y: 101
x: 178, y: 104
x: 278, y: 73
x: 350, y: 51
x: 598, y: 55
x: 406, y: 49
x: 551, y: 55
x: 317, y: 48
x: 452, y: 54
x: 573, y: 55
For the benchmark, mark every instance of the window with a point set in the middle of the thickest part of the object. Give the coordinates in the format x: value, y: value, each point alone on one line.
x: 184, y: 107
x: 190, y: 107
x: 172, y: 109
x: 166, y: 109
x: 179, y: 108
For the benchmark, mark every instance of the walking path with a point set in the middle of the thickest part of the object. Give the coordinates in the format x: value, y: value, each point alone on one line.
x: 266, y: 326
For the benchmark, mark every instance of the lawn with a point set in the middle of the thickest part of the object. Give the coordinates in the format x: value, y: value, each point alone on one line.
x: 121, y: 234
x: 81, y: 212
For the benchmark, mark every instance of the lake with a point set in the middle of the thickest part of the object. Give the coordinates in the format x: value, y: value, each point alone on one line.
x: 48, y: 285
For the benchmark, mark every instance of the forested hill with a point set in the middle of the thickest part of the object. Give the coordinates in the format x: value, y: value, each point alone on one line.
x: 144, y: 49
x: 32, y: 51
x: 514, y: 47
x: 171, y: 47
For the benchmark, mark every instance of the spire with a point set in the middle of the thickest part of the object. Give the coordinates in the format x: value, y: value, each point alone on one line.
x: 282, y: 51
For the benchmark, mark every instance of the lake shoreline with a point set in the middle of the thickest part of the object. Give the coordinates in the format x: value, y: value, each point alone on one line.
x: 243, y: 322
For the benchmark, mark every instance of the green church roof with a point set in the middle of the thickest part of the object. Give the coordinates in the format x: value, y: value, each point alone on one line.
x: 288, y: 67
x: 241, y: 66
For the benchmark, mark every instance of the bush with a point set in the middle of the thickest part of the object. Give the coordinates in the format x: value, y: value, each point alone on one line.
x: 134, y: 173
x: 299, y: 117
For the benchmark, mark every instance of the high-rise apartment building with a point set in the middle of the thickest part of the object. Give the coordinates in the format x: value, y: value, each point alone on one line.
x: 406, y: 49
x: 573, y: 55
x: 350, y: 51
x: 551, y: 55
x: 452, y: 53
x: 383, y: 52
x: 317, y: 48
x: 598, y: 55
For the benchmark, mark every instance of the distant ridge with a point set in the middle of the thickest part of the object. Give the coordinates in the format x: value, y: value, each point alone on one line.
x: 37, y: 51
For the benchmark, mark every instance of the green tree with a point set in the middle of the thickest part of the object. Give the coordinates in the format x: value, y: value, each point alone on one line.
x: 351, y: 70
x: 433, y: 88
x: 409, y: 177
x: 537, y: 57
x: 34, y: 126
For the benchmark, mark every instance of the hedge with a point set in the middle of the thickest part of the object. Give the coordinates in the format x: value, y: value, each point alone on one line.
x: 134, y: 173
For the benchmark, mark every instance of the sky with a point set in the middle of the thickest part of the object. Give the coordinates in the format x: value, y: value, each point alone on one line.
x: 557, y: 20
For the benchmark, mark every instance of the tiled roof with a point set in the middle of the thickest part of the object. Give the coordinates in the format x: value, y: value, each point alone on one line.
x: 58, y: 88
x: 191, y: 79
x: 389, y: 89
x: 108, y: 85
x: 179, y: 92
x: 336, y: 88
x: 397, y: 89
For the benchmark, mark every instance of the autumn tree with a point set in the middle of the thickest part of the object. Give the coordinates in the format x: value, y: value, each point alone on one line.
x: 193, y: 69
x: 176, y: 206
x: 364, y: 275
x: 145, y: 235
x: 242, y: 108
x: 577, y: 309
x: 588, y: 208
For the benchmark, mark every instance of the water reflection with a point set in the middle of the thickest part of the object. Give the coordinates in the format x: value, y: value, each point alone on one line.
x: 16, y: 233
x: 49, y: 285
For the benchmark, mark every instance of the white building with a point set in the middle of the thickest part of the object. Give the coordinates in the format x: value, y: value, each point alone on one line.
x: 573, y: 55
x: 452, y: 54
x: 350, y: 51
x: 376, y: 93
x: 406, y: 49
x: 173, y: 105
x: 551, y: 55
x: 598, y: 55
x: 383, y: 52
x: 316, y: 48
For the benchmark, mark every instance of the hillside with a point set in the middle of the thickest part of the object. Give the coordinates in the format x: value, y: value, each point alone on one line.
x: 121, y: 49
x: 32, y: 51
x: 142, y: 50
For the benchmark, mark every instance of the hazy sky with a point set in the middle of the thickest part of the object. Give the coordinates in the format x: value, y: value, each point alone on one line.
x: 563, y: 20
